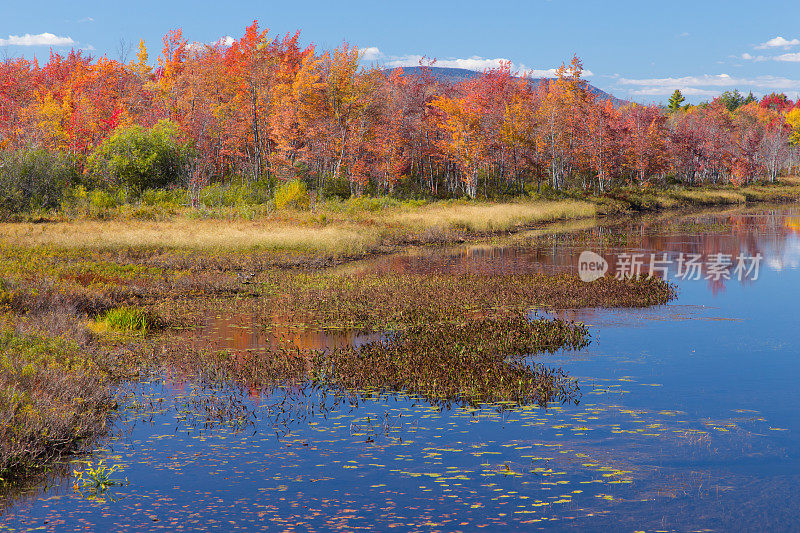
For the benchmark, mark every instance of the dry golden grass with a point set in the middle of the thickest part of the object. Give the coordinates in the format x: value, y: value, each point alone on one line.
x: 184, y: 233
x: 336, y: 233
x: 487, y: 217
x: 787, y: 188
x: 711, y: 196
x: 358, y: 226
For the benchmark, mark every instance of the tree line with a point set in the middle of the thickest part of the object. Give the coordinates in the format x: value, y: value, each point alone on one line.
x: 268, y: 110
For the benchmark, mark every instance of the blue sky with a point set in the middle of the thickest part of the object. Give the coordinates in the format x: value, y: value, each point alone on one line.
x: 640, y: 50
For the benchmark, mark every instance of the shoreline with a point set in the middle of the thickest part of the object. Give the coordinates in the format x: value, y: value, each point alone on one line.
x: 345, y: 232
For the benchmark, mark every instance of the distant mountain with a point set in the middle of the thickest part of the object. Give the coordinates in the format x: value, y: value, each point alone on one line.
x: 457, y: 75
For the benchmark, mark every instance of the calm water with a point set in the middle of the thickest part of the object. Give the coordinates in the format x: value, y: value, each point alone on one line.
x: 688, y: 420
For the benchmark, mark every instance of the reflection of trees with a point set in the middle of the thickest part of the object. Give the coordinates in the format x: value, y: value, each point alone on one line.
x: 732, y: 233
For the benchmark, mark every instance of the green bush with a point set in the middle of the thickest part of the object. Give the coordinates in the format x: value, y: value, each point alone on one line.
x: 336, y: 188
x: 97, y: 203
x: 293, y: 193
x: 234, y: 195
x: 175, y: 198
x: 140, y: 158
x: 32, y: 180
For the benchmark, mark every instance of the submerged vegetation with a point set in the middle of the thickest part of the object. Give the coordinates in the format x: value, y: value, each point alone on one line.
x: 477, y: 362
x: 375, y: 303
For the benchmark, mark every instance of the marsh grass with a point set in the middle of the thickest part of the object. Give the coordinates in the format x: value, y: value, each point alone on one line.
x: 652, y: 198
x: 128, y: 320
x: 189, y: 234
x: 370, y: 302
x: 491, y: 217
x: 53, y: 399
x: 352, y: 227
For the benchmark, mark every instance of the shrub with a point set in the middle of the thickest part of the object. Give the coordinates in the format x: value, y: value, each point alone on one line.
x: 5, y: 294
x: 164, y: 198
x: 293, y: 193
x: 336, y: 188
x: 140, y: 158
x: 97, y: 203
x: 233, y: 195
x: 33, y: 180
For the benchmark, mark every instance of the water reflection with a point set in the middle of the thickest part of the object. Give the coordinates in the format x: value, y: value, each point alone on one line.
x: 775, y: 234
x: 242, y: 333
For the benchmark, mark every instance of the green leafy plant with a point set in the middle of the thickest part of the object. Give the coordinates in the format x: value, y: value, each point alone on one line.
x: 98, y: 476
x: 93, y: 480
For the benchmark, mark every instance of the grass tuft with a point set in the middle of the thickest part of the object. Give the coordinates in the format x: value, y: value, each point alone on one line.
x: 127, y: 319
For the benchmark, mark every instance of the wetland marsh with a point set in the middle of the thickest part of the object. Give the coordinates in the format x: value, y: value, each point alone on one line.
x: 437, y: 388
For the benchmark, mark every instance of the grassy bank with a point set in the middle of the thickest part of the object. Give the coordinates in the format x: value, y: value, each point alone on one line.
x: 54, y: 399
x: 648, y: 199
x: 337, y: 229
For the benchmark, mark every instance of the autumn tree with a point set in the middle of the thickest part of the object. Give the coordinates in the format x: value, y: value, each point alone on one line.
x: 561, y: 107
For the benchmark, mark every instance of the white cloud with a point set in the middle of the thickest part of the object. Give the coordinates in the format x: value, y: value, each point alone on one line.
x: 471, y: 63
x: 475, y: 63
x: 41, y: 39
x: 708, y: 85
x: 371, y: 53
x: 86, y: 19
x: 662, y: 91
x: 718, y: 80
x: 793, y: 57
x: 224, y: 42
x: 715, y: 80
x: 778, y: 42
